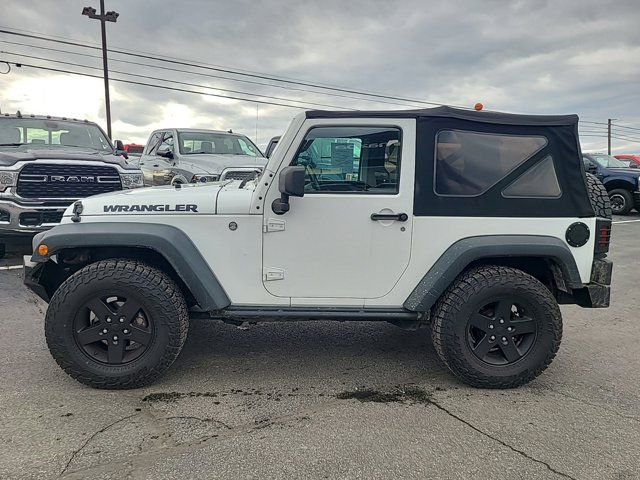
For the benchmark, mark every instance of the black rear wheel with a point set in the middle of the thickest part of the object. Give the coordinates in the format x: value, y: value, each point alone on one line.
x: 116, y: 324
x: 497, y: 327
x: 621, y: 201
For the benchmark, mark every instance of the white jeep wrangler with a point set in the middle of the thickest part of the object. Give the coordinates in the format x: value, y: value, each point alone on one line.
x: 476, y: 224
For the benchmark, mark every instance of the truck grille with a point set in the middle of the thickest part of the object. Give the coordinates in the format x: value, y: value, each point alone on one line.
x: 240, y: 174
x: 35, y: 219
x: 66, y: 181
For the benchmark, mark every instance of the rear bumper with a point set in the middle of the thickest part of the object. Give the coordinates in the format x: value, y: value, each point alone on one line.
x: 597, y: 293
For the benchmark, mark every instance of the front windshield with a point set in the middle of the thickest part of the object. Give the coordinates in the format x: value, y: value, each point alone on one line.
x: 52, y: 134
x: 192, y: 143
x: 608, y: 161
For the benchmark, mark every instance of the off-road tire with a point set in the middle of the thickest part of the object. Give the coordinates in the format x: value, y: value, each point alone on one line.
x: 158, y: 294
x: 456, y: 306
x: 598, y: 197
x: 628, y: 200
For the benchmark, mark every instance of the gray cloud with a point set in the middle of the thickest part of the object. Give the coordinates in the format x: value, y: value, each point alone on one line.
x: 521, y: 56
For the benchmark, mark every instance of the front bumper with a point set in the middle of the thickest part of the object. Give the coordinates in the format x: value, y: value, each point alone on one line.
x: 27, y: 219
x: 31, y: 279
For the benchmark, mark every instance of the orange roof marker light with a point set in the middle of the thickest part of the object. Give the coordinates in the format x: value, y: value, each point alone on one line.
x: 478, y: 106
x: 43, y: 250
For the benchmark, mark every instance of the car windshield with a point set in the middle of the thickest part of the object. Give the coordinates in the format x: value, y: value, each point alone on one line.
x: 192, y: 143
x: 608, y: 161
x: 16, y: 132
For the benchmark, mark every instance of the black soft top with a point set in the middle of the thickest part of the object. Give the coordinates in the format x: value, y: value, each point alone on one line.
x: 450, y: 112
x: 562, y: 147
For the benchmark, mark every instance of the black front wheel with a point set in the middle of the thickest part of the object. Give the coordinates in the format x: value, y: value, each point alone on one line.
x: 621, y: 201
x: 116, y: 324
x: 497, y: 327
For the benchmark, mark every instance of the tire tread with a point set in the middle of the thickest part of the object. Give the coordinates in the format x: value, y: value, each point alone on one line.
x: 459, y: 293
x: 134, y: 274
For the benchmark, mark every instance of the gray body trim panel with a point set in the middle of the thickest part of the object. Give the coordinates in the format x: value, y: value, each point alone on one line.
x: 459, y: 255
x: 170, y: 242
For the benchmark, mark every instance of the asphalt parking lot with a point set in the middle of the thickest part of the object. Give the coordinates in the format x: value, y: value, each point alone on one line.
x: 329, y: 400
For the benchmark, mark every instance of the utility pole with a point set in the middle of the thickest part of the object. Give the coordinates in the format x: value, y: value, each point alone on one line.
x: 104, y: 17
x: 609, y: 136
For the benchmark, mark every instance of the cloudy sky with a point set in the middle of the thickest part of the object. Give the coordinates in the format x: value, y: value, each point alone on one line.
x: 527, y: 56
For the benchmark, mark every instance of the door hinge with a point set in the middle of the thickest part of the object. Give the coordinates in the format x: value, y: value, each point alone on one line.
x: 273, y: 225
x: 270, y: 273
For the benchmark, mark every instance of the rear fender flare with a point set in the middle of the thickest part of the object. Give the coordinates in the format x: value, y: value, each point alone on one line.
x: 462, y: 253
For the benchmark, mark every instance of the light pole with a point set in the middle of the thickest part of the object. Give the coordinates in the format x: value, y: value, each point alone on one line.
x: 609, y: 120
x: 104, y: 17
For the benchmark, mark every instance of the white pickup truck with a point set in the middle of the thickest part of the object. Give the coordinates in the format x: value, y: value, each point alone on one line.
x: 474, y: 224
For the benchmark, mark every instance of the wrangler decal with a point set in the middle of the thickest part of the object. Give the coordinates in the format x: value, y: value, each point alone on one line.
x: 151, y: 208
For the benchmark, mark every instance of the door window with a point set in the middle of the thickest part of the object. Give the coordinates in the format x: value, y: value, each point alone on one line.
x: 167, y: 143
x: 351, y: 159
x: 152, y: 144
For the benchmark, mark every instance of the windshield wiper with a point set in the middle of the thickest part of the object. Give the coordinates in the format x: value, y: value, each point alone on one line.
x: 11, y: 144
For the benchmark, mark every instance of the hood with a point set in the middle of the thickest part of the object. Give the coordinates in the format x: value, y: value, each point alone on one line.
x: 631, y: 172
x: 9, y: 157
x: 210, y: 163
x: 192, y: 199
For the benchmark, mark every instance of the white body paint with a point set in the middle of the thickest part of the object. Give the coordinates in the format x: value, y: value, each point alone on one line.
x: 330, y: 253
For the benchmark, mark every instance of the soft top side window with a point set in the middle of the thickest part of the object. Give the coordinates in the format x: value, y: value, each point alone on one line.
x: 470, y: 163
x: 351, y: 159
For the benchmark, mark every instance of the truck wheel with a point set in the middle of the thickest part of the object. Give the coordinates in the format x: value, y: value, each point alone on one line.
x: 598, y: 197
x: 621, y: 201
x: 116, y: 324
x: 497, y: 327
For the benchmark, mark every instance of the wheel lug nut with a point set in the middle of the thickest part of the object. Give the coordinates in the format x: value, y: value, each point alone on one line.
x: 509, y: 329
x: 125, y: 331
x: 492, y: 337
x: 115, y: 338
x: 504, y: 339
x: 108, y: 319
x: 104, y: 330
x: 121, y: 319
x: 502, y: 320
x: 491, y: 326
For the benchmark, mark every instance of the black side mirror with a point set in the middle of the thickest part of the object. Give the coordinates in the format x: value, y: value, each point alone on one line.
x: 120, y: 149
x: 291, y: 184
x: 634, y: 165
x: 166, y: 153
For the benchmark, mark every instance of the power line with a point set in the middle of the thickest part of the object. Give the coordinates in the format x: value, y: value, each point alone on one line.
x: 595, y: 123
x: 164, y: 87
x: 146, y: 52
x: 633, y: 140
x: 225, y: 70
x: 208, y: 75
x: 625, y: 127
x: 148, y: 77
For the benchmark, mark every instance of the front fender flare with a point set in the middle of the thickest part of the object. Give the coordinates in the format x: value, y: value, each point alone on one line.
x: 170, y: 242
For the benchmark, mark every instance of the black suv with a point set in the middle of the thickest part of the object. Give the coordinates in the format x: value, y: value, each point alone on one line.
x: 622, y: 183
